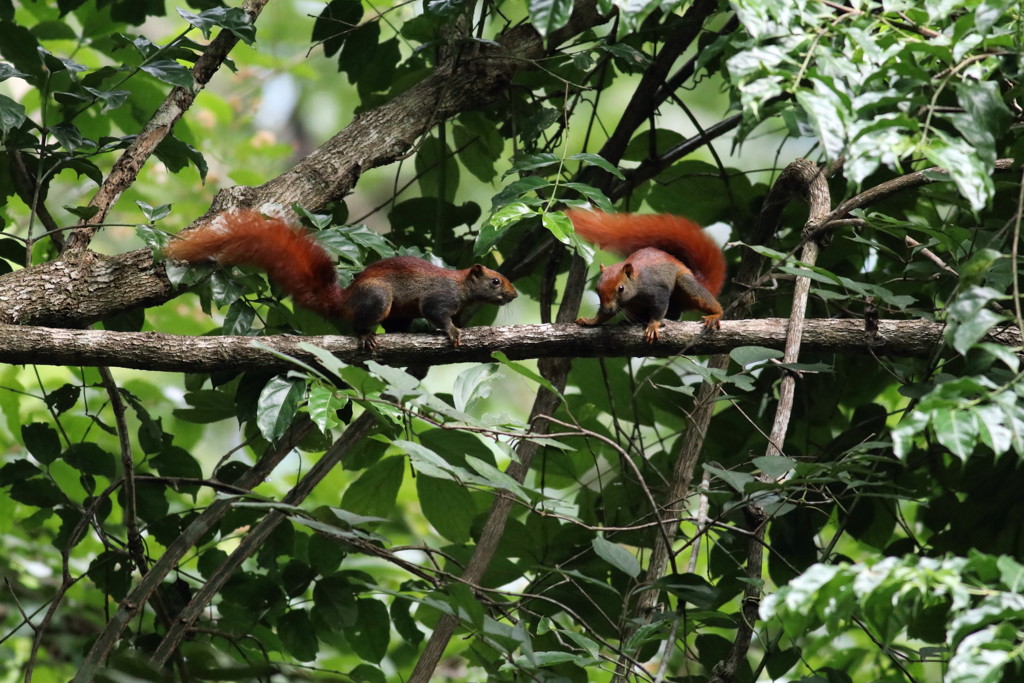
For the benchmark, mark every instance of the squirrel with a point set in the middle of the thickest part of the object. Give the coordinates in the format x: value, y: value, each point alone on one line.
x: 672, y: 266
x: 392, y: 291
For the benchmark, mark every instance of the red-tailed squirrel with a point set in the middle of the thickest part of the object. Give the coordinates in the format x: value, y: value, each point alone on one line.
x: 391, y: 292
x: 672, y: 266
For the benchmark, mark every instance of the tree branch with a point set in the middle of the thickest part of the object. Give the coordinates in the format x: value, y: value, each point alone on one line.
x: 159, y: 126
x: 177, y: 353
x: 52, y: 293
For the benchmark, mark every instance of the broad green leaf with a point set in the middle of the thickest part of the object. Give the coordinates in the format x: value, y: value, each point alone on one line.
x: 17, y: 470
x: 233, y: 19
x: 403, y: 621
x: 335, y: 601
x: 169, y: 71
x: 277, y: 406
x: 12, y: 114
x: 448, y: 507
x: 957, y: 430
x: 737, y: 480
x: 371, y: 634
x: 374, y: 492
x: 324, y: 402
x: 472, y: 385
x: 747, y: 355
x: 549, y: 15
x: 597, y: 159
x: 774, y: 466
x: 206, y: 406
x: 91, y: 459
x: 617, y: 556
x: 42, y: 441
x: 298, y: 635
x: 111, y: 571
x: 63, y: 399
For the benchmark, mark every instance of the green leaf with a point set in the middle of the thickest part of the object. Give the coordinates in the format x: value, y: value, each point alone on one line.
x: 277, y: 406
x: 521, y: 369
x: 233, y: 19
x: 174, y: 461
x: 957, y: 430
x: 748, y: 355
x: 502, y: 218
x: 437, y: 169
x: 774, y: 466
x: 375, y: 491
x: 617, y: 556
x: 371, y: 634
x: 334, y: 602
x: 12, y: 115
x: 154, y: 214
x: 737, y: 480
x: 19, y: 47
x: 169, y: 71
x: 63, y: 399
x: 403, y: 621
x: 330, y: 26
x: 177, y: 155
x: 969, y: 172
x: 42, y: 441
x: 239, y: 318
x: 18, y: 470
x: 549, y: 15
x: 111, y: 571
x: 365, y: 673
x: 448, y: 507
x: 598, y: 160
x: 91, y: 459
x: 324, y: 404
x: 298, y: 635
x: 692, y: 588
x: 207, y: 406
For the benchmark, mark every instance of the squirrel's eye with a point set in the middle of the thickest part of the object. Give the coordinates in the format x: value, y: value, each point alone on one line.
x: 495, y: 282
x: 622, y: 288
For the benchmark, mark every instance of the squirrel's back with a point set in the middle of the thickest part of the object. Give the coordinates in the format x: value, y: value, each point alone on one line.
x: 625, y: 233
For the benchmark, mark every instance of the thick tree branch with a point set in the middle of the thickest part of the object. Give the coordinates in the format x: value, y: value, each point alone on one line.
x: 375, y: 138
x: 175, y: 353
x: 82, y: 288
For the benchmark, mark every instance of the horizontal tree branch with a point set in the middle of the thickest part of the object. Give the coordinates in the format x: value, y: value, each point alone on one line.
x: 176, y: 353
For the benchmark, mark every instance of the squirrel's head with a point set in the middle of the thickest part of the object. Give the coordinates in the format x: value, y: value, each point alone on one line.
x: 616, y: 285
x: 489, y: 285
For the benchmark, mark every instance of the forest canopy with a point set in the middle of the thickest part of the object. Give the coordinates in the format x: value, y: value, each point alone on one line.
x: 204, y: 480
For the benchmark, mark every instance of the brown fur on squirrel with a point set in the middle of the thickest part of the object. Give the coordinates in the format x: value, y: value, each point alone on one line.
x: 672, y: 266
x: 392, y: 291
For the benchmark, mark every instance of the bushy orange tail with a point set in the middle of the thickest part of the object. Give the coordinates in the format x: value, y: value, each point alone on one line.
x: 290, y: 256
x: 625, y: 233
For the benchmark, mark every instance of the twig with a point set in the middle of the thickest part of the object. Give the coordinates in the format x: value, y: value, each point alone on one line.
x: 259, y: 533
x: 178, y: 548
x: 816, y: 190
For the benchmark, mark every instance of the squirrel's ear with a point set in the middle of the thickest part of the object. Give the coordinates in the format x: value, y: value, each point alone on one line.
x: 627, y: 269
x: 602, y: 267
x: 477, y: 270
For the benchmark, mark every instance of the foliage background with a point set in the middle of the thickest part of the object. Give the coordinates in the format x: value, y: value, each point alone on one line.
x: 887, y: 515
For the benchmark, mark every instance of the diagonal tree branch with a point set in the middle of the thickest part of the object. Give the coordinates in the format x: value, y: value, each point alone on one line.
x: 178, y: 101
x: 82, y: 287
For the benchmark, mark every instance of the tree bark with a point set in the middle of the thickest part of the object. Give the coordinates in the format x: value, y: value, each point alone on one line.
x: 177, y: 353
